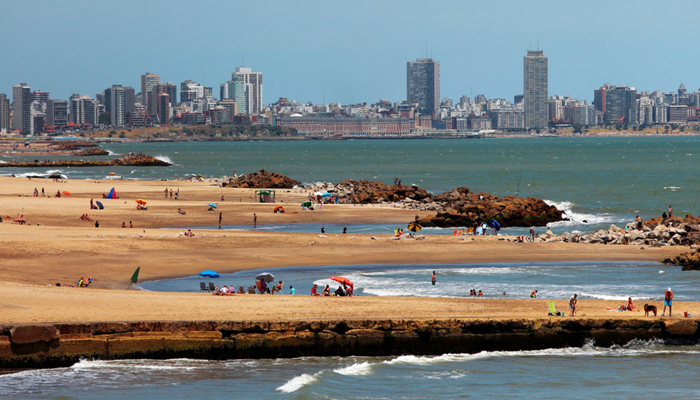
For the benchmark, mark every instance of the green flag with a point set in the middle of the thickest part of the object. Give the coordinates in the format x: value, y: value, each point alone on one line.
x: 134, y: 277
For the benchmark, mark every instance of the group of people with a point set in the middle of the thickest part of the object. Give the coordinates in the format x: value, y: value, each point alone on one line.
x: 85, y: 217
x: 131, y: 225
x: 473, y: 292
x: 82, y: 282
x: 343, y: 290
x: 170, y: 191
x: 36, y: 193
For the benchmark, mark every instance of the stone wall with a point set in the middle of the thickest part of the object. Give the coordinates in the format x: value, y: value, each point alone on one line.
x: 34, y: 346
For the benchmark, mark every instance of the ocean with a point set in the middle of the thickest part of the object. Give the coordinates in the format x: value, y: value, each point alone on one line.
x: 641, y: 370
x: 598, y: 181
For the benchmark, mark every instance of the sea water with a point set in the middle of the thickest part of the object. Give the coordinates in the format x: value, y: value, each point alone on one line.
x: 554, y: 280
x: 644, y: 370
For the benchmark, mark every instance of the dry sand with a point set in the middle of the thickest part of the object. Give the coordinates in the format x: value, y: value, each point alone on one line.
x: 62, y: 249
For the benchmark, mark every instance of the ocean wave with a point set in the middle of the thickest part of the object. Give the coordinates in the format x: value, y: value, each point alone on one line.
x: 299, y: 382
x: 111, y: 153
x: 576, y: 218
x: 363, y: 368
x: 164, y: 158
x: 672, y: 188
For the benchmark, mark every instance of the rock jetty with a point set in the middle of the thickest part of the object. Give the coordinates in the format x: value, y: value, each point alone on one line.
x: 261, y: 180
x: 132, y: 160
x: 459, y: 207
x: 90, y: 152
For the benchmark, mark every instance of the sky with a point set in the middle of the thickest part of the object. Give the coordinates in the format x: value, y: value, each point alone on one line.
x: 351, y: 51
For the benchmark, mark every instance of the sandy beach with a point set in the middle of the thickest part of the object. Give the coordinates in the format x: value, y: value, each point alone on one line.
x: 55, y: 246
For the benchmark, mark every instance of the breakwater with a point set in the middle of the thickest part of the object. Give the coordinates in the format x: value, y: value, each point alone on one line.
x: 56, y: 345
x: 126, y: 161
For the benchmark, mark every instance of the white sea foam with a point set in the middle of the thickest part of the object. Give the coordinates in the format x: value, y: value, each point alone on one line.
x: 576, y: 218
x: 672, y: 188
x: 363, y: 368
x: 164, y: 158
x: 299, y: 382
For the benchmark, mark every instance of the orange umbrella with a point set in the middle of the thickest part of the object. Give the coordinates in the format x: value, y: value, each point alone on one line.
x: 343, y: 280
x: 143, y: 203
x: 66, y: 193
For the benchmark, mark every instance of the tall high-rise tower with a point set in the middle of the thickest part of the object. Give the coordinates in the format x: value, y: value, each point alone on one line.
x: 423, y: 84
x: 254, y: 89
x: 148, y: 81
x: 21, y: 108
x: 536, y: 90
x: 115, y: 105
x: 4, y: 113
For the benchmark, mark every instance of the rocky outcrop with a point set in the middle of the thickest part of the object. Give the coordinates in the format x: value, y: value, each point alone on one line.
x: 458, y: 207
x: 261, y: 180
x: 126, y: 161
x: 690, y: 261
x: 90, y: 152
x: 273, y: 339
x: 464, y: 208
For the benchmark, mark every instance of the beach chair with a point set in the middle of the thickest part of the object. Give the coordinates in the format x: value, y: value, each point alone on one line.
x: 203, y: 287
x: 212, y: 287
x: 553, y: 310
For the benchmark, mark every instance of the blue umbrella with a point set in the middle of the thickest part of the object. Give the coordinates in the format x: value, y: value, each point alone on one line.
x: 209, y: 274
x: 212, y: 205
x: 326, y: 194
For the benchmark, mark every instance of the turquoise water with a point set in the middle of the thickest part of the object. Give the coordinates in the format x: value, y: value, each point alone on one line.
x: 598, y: 179
x: 638, y: 370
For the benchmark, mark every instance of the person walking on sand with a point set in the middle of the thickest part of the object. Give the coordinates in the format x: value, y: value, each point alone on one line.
x: 255, y: 220
x: 220, y: 217
x: 572, y: 304
x: 668, y: 299
x: 166, y: 192
x: 432, y: 278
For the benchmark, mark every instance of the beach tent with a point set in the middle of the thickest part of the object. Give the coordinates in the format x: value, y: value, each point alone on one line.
x: 112, y: 194
x: 99, y: 205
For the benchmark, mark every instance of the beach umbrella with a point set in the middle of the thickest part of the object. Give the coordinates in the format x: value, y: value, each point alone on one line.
x: 112, y: 173
x: 143, y: 203
x: 99, y: 205
x: 265, y: 276
x: 134, y: 277
x: 306, y: 204
x: 209, y: 274
x: 278, y: 209
x: 212, y: 205
x: 326, y: 194
x: 343, y: 280
x: 414, y: 227
x: 67, y: 193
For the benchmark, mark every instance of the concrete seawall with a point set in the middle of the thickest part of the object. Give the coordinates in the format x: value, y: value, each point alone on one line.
x: 57, y: 345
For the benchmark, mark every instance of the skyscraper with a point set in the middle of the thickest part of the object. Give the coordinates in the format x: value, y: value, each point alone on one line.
x: 21, y: 108
x: 423, y: 84
x: 148, y: 81
x: 254, y: 89
x: 115, y: 105
x: 621, y: 105
x: 536, y: 90
x: 4, y: 113
x: 56, y: 113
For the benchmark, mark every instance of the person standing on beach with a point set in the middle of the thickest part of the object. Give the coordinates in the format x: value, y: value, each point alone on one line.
x: 220, y: 217
x: 432, y: 278
x: 639, y: 222
x: 532, y: 234
x: 166, y: 192
x: 255, y: 220
x: 668, y: 300
x: 572, y: 304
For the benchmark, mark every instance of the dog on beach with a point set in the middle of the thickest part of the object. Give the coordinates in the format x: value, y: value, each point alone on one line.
x: 648, y: 308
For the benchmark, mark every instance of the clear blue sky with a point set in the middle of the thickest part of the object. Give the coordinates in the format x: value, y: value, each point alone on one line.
x: 353, y: 50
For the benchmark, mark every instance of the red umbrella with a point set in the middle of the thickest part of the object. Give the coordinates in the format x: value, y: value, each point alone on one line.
x: 342, y: 280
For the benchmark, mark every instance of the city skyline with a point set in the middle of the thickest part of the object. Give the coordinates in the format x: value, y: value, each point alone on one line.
x: 324, y: 53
